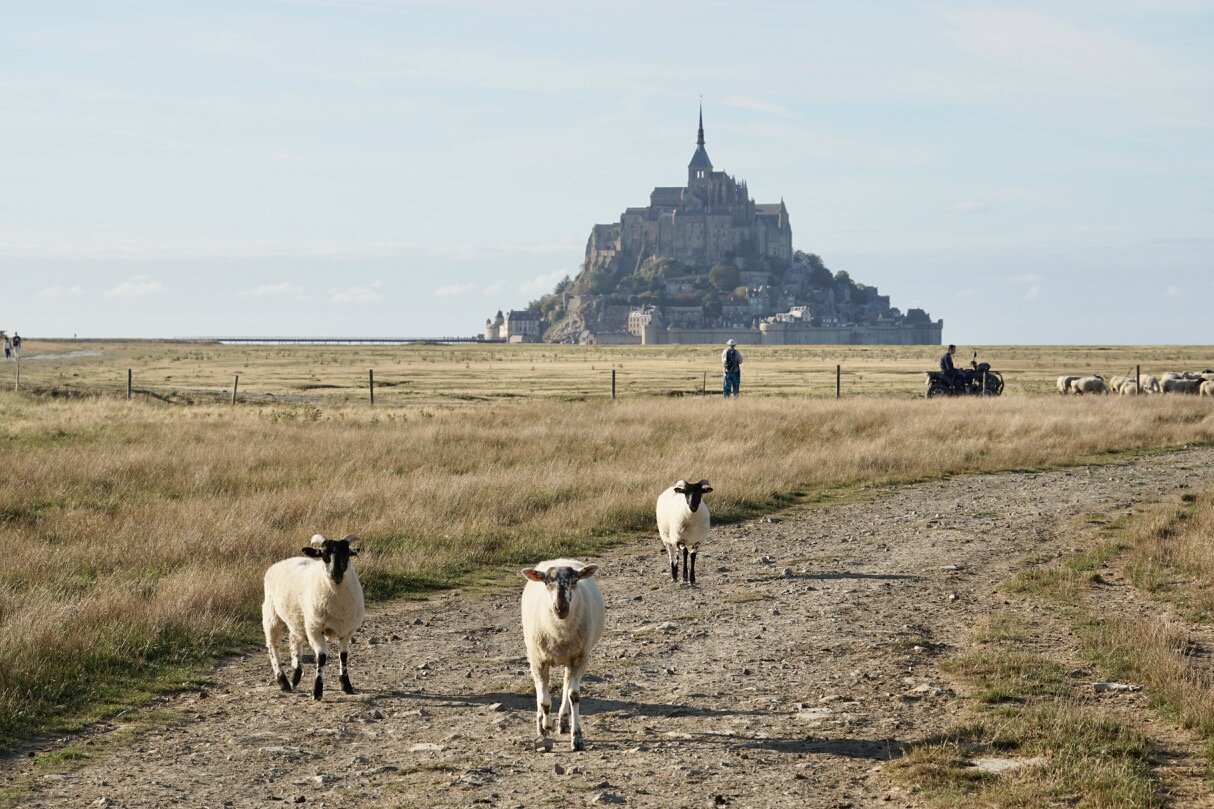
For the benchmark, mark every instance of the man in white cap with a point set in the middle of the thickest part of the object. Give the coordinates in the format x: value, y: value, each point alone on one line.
x: 731, y: 361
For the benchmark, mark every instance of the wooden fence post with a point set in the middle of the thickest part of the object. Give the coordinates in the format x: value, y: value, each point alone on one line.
x: 704, y: 385
x: 17, y: 384
x: 371, y: 384
x: 235, y: 384
x: 838, y: 381
x: 1137, y: 379
x: 128, y: 383
x: 613, y: 383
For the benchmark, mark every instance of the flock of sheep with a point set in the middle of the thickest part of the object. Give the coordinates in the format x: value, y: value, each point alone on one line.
x: 317, y: 598
x: 1171, y: 382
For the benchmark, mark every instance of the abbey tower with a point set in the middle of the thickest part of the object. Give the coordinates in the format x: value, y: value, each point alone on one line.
x: 702, y: 263
x: 711, y: 219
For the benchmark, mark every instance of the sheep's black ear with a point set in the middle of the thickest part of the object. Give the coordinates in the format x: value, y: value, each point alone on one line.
x: 587, y: 571
x: 353, y: 552
x: 680, y: 490
x: 706, y: 489
x: 313, y: 552
x: 533, y: 574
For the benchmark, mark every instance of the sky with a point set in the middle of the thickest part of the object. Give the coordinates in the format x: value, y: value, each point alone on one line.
x: 1032, y: 173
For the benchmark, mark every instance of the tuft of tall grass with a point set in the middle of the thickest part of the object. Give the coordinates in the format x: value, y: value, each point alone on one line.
x: 1165, y: 551
x: 1027, y: 711
x: 1072, y: 757
x: 1171, y: 559
x: 136, y: 534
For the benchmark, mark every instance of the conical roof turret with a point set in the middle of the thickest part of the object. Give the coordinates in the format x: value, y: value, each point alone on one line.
x: 700, y: 158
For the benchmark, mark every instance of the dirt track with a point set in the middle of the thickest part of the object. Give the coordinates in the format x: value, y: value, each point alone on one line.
x: 761, y: 687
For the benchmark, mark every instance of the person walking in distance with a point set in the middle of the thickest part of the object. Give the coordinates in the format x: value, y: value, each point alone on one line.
x: 731, y: 361
x: 16, y: 345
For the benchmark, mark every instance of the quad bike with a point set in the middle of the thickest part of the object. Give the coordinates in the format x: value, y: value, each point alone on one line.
x: 979, y: 381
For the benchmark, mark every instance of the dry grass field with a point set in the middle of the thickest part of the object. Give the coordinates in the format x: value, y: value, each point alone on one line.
x: 136, y: 533
x: 458, y: 375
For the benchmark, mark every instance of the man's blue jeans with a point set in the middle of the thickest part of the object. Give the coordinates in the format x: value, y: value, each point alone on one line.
x: 733, y: 380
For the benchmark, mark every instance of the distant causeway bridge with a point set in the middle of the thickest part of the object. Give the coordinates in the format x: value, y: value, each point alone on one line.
x: 338, y: 340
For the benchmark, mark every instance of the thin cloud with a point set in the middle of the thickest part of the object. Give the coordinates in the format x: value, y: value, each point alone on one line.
x: 1032, y: 279
x: 970, y: 207
x: 1171, y: 292
x: 542, y: 284
x: 357, y: 294
x: 27, y: 244
x: 756, y: 105
x: 283, y: 290
x: 469, y: 288
x: 135, y: 288
x: 60, y: 292
x: 1033, y: 56
x: 455, y: 290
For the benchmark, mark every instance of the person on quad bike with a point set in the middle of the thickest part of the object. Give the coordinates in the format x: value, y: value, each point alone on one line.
x: 951, y: 373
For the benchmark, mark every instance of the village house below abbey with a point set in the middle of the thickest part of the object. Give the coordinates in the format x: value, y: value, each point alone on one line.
x: 702, y: 263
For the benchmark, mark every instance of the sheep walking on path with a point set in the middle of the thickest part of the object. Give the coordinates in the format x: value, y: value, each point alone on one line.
x: 563, y: 619
x: 316, y: 597
x: 683, y: 523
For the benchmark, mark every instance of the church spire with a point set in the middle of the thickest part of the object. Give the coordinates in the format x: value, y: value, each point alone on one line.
x: 700, y: 167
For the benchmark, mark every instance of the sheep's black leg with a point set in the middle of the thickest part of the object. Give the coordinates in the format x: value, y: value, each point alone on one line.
x: 296, y: 676
x: 685, y: 565
x: 693, y: 567
x: 345, y: 675
x: 284, y: 683
x: 318, y: 688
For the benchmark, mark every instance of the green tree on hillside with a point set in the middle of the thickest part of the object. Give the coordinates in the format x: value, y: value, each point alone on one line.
x: 724, y: 276
x: 819, y: 275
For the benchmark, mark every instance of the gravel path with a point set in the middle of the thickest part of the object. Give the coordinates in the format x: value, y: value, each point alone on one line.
x: 805, y: 659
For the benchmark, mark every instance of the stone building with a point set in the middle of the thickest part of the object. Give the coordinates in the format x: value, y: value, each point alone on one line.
x: 494, y: 327
x: 656, y: 277
x: 521, y: 326
x: 710, y: 219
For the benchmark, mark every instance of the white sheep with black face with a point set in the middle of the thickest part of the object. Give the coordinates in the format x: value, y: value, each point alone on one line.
x: 316, y: 597
x: 683, y: 523
x: 563, y: 618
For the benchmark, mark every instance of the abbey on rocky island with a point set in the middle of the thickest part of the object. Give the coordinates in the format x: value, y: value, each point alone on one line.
x: 702, y: 263
x: 710, y: 220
